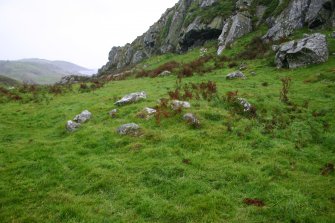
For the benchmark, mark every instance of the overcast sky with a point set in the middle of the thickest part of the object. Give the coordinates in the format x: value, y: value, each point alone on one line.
x: 79, y: 31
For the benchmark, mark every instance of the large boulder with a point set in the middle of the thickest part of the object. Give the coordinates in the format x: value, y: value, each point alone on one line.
x: 312, y: 49
x: 234, y: 28
x: 131, y: 129
x: 83, y: 117
x: 131, y: 98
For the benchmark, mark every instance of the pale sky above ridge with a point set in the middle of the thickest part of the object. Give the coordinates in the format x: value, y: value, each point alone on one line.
x: 78, y: 31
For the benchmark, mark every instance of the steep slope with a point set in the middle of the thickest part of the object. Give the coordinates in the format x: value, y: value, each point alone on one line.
x: 39, y: 71
x: 191, y: 23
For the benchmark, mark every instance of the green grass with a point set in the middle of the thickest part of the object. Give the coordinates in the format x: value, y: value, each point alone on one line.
x: 95, y: 175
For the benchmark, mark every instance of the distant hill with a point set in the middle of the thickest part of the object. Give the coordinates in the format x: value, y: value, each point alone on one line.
x: 6, y: 81
x: 40, y: 71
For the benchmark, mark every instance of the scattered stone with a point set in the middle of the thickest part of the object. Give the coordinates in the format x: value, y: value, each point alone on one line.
x: 131, y: 129
x: 243, y: 67
x: 72, y: 126
x: 253, y: 73
x: 175, y: 104
x: 235, y: 75
x: 147, y: 113
x: 246, y: 105
x: 131, y: 98
x: 113, y: 113
x: 164, y: 73
x: 297, y: 53
x: 192, y: 120
x: 83, y: 117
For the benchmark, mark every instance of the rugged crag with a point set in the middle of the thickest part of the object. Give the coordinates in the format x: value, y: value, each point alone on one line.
x: 191, y: 23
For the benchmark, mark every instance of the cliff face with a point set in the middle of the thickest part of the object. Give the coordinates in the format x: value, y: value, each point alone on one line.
x: 192, y: 22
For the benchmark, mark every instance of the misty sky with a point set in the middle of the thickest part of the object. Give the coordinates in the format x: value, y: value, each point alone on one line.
x: 79, y: 31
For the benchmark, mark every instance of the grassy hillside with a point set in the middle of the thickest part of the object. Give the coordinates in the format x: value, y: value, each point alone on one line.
x: 38, y: 71
x: 281, y: 157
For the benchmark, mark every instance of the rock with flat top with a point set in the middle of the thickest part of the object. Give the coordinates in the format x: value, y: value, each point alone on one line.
x: 131, y: 98
x: 312, y: 49
x: 131, y: 129
x: 83, y: 117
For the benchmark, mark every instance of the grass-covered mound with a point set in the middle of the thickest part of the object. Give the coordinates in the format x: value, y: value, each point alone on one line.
x: 272, y: 166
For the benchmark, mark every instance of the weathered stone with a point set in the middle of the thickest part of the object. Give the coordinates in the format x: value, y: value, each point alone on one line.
x: 235, y: 75
x: 175, y: 104
x: 192, y: 120
x: 131, y: 129
x: 73, y: 79
x: 131, y: 98
x: 243, y: 4
x: 234, y: 28
x: 83, y: 117
x: 72, y: 126
x: 147, y: 113
x: 113, y: 113
x: 310, y: 50
x: 314, y: 13
x: 246, y: 105
x: 207, y: 3
x: 164, y: 73
x: 138, y: 57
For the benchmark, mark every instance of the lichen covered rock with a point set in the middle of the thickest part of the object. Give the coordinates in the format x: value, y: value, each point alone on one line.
x: 131, y: 98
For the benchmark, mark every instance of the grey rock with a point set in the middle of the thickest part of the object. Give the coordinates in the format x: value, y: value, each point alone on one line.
x: 243, y: 4
x: 310, y: 50
x: 207, y: 3
x: 192, y: 119
x: 176, y: 104
x: 197, y: 32
x: 138, y: 57
x: 83, y: 117
x: 131, y: 98
x: 113, y: 113
x: 314, y: 13
x: 253, y: 73
x: 72, y: 126
x: 131, y: 129
x: 235, y: 75
x: 260, y: 12
x: 333, y: 34
x: 73, y: 79
x: 164, y: 73
x: 147, y: 113
x: 246, y: 105
x: 234, y: 28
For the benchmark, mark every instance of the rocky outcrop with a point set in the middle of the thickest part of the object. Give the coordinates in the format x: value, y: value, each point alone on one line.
x: 234, y: 28
x: 310, y: 50
x: 314, y: 13
x: 131, y: 98
x: 198, y: 32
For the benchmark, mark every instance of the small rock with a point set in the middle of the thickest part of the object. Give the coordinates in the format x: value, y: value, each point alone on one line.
x: 243, y: 67
x: 253, y: 73
x: 72, y: 126
x: 246, y: 105
x: 147, y: 113
x: 192, y: 120
x: 235, y: 75
x: 131, y: 98
x: 131, y: 129
x: 83, y: 117
x: 164, y: 73
x: 175, y: 104
x: 113, y: 113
